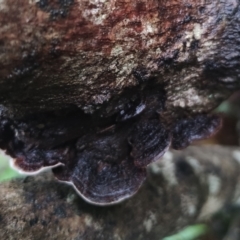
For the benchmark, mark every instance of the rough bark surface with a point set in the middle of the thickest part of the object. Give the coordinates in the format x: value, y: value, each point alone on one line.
x: 97, y: 59
x: 76, y: 76
x: 183, y: 188
x: 68, y: 53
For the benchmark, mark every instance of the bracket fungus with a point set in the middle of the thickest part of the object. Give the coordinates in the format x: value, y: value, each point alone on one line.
x: 104, y: 159
x: 100, y: 89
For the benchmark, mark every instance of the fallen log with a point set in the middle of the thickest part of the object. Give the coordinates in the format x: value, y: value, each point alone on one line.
x: 74, y: 74
x: 66, y: 53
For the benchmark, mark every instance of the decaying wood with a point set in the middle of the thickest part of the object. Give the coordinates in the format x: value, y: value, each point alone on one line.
x: 77, y: 75
x: 66, y: 53
x: 183, y: 188
x: 93, y: 55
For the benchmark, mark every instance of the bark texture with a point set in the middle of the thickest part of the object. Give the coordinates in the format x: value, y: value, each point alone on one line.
x: 82, y: 53
x: 108, y: 60
x: 183, y: 188
x: 76, y: 76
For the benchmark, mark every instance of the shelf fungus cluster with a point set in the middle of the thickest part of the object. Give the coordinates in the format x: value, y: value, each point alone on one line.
x: 97, y: 90
x: 105, y: 159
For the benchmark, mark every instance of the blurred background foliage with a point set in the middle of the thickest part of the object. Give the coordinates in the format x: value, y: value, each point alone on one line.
x: 6, y: 172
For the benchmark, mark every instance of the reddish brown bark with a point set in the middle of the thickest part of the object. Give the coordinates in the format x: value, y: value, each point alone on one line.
x: 57, y: 54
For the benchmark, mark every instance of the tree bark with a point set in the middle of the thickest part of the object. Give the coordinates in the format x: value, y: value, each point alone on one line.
x: 81, y: 53
x: 182, y: 188
x: 93, y: 56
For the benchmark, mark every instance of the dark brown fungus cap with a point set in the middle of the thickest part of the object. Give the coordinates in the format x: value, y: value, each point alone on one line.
x: 149, y: 140
x: 198, y: 127
x: 103, y: 171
